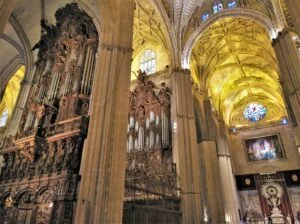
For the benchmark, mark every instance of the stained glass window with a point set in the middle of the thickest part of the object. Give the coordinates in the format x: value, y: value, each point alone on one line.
x: 205, y: 16
x: 232, y: 4
x: 255, y: 112
x: 148, y: 62
x: 217, y: 7
x: 220, y: 7
x: 3, y: 118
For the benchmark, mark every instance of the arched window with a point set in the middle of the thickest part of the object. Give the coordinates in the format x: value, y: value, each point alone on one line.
x: 3, y: 118
x: 217, y: 7
x: 148, y: 61
x: 10, y: 95
x: 232, y: 4
x: 205, y: 16
x: 255, y: 112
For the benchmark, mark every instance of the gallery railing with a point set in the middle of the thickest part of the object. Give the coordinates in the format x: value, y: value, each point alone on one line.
x: 150, y: 200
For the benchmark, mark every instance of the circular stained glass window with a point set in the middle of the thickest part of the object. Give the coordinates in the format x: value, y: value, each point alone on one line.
x: 255, y: 112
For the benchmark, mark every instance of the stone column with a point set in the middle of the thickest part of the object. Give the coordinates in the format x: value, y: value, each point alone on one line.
x: 230, y: 197
x: 6, y: 8
x: 186, y: 154
x: 213, y: 205
x: 294, y: 10
x: 101, y: 191
x: 289, y: 63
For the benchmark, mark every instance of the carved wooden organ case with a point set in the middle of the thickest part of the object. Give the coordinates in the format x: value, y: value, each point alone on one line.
x: 39, y: 171
x: 149, y: 144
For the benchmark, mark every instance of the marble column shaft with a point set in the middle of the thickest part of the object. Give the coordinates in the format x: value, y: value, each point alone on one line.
x: 230, y: 198
x: 213, y: 198
x: 186, y: 154
x: 101, y: 191
x: 214, y: 204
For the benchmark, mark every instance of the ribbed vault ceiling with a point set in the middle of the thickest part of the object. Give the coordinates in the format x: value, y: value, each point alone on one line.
x: 234, y: 60
x: 148, y: 26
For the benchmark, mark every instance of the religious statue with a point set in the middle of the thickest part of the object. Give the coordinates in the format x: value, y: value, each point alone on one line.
x: 273, y: 192
x: 42, y: 162
x: 60, y: 154
x: 70, y: 145
x: 51, y: 153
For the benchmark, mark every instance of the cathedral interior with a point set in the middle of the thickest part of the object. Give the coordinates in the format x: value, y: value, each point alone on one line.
x: 149, y: 111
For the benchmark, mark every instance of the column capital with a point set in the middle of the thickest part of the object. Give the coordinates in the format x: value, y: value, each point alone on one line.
x: 181, y: 70
x: 281, y: 34
x: 111, y: 47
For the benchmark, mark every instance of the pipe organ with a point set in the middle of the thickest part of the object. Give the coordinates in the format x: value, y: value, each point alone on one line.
x: 40, y: 164
x: 151, y: 178
x: 149, y: 126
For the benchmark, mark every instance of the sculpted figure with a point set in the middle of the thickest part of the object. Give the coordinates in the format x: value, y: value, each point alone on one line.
x: 77, y: 153
x: 9, y: 166
x: 51, y: 154
x: 23, y: 166
x: 60, y: 153
x: 70, y: 145
x: 17, y: 164
x: 42, y: 162
x: 274, y: 201
x: 141, y: 113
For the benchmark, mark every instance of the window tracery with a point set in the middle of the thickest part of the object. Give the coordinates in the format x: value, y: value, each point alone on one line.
x: 148, y: 61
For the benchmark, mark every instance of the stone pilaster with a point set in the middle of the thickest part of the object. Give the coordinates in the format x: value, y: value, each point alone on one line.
x: 230, y: 198
x: 6, y: 7
x: 186, y: 154
x: 289, y: 63
x: 294, y: 10
x: 103, y: 163
x: 213, y: 204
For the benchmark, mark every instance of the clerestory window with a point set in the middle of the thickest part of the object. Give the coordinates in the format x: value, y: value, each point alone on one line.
x: 148, y: 61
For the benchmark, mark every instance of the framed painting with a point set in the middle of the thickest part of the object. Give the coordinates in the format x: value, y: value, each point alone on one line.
x: 264, y: 148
